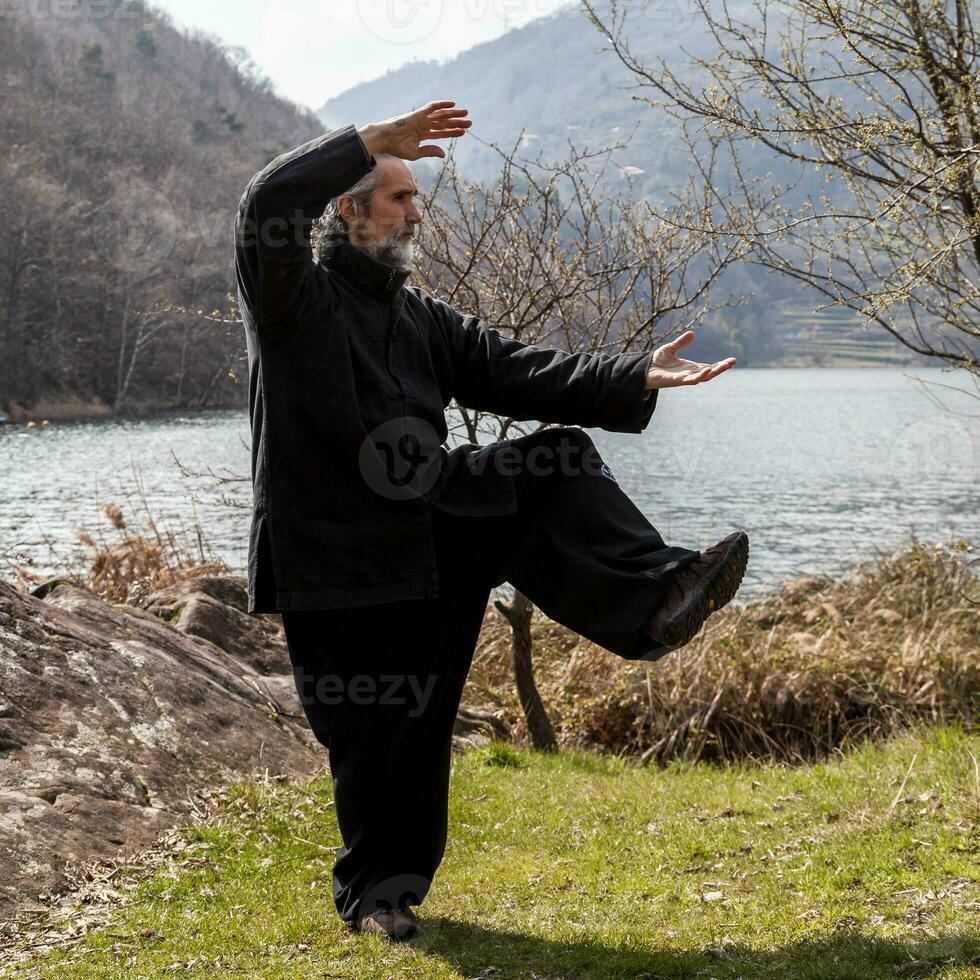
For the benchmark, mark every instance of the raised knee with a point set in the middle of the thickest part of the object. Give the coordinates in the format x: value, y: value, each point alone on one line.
x: 569, y: 435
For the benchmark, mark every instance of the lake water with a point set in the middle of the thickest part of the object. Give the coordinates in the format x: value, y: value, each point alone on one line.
x: 820, y: 466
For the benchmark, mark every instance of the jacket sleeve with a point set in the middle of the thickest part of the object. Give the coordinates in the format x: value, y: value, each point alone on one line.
x: 273, y: 253
x: 495, y: 374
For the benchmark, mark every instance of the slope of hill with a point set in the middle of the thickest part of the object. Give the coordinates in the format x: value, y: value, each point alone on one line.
x: 125, y: 148
x: 552, y: 79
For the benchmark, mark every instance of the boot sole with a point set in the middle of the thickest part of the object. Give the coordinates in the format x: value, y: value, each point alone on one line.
x: 716, y: 589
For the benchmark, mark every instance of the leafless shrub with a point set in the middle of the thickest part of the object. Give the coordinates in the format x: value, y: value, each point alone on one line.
x: 791, y: 677
x: 878, y: 95
x: 548, y: 255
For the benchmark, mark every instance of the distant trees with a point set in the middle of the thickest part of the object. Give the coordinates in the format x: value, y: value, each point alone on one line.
x: 116, y: 262
x: 881, y: 96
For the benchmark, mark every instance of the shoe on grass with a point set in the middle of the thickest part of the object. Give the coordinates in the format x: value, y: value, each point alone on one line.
x: 699, y: 589
x: 396, y: 924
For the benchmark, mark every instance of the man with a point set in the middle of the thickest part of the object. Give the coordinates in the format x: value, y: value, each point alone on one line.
x: 377, y: 545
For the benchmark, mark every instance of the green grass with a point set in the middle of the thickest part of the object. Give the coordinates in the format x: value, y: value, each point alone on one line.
x: 575, y: 865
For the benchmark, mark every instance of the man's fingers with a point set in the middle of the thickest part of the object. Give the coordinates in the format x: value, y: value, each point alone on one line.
x: 447, y: 117
x: 671, y: 347
x: 682, y: 341
x: 449, y: 121
x: 443, y: 134
x: 710, y: 371
x: 462, y: 124
x: 431, y: 151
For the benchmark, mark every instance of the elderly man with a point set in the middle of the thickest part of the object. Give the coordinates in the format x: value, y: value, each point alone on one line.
x: 377, y: 545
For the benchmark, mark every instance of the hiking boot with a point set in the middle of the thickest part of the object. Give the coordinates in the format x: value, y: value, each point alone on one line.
x: 395, y: 924
x: 699, y: 589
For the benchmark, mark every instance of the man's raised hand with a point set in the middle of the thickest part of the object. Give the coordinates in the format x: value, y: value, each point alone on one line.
x: 667, y: 370
x: 401, y: 136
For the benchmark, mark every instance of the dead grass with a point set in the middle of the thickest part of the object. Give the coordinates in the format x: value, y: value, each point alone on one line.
x: 127, y: 564
x: 792, y: 677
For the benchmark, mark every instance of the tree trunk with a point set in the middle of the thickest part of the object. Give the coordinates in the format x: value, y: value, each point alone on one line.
x: 121, y: 374
x: 518, y: 614
x: 182, y: 364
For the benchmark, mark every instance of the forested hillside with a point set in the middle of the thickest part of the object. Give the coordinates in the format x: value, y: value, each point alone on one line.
x: 125, y: 145
x: 124, y: 148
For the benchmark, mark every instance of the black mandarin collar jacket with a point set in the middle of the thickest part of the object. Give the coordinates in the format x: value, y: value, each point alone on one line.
x: 350, y: 374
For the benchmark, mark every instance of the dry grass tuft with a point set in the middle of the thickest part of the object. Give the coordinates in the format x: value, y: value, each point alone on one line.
x: 130, y: 564
x: 791, y: 677
x: 137, y: 563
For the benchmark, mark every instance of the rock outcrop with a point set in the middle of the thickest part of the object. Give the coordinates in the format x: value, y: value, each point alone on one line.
x: 112, y: 716
x: 109, y: 720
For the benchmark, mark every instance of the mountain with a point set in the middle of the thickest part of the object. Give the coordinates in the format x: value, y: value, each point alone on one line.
x: 553, y: 80
x: 125, y: 145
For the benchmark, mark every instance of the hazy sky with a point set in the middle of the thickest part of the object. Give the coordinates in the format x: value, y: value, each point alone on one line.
x: 315, y: 49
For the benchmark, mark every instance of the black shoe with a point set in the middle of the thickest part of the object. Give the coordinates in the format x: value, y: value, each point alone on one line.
x: 396, y: 924
x: 699, y: 589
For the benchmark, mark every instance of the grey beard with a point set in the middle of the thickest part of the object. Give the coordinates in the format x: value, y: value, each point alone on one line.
x: 399, y: 253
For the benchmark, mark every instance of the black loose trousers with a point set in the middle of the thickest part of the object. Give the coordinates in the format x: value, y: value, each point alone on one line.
x: 381, y: 684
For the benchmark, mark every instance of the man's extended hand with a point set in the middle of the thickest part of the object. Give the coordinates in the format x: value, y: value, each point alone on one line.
x: 401, y: 135
x: 667, y: 370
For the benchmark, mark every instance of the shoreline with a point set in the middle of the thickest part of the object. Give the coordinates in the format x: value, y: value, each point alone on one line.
x: 73, y: 409
x: 78, y: 410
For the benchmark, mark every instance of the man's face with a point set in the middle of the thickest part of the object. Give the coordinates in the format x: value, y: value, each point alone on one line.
x: 393, y: 215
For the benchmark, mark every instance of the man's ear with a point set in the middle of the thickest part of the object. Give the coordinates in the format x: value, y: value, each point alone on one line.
x: 347, y: 207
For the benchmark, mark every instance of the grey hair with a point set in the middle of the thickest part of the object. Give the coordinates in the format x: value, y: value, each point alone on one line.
x: 330, y: 229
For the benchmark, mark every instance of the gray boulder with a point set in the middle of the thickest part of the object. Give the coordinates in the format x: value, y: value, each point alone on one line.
x: 109, y: 722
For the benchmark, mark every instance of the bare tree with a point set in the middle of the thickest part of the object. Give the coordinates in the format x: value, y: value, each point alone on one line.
x: 549, y: 255
x: 882, y: 96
